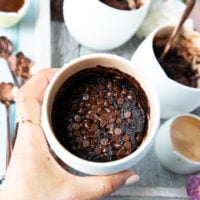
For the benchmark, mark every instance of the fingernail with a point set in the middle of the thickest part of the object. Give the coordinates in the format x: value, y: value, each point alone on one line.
x: 132, y: 179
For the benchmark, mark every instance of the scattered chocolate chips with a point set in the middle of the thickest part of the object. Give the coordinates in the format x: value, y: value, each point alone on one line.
x: 96, y: 114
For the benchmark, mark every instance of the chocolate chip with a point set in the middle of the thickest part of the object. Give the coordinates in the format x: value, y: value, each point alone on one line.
x: 124, y: 91
x: 101, y: 87
x: 93, y: 127
x: 118, y: 121
x: 86, y: 143
x: 127, y: 144
x: 98, y: 150
x: 109, y: 85
x: 75, y: 126
x: 105, y: 149
x: 117, y: 145
x: 79, y: 140
x: 77, y: 118
x: 130, y: 97
x: 86, y: 97
x: 100, y: 101
x: 126, y: 137
x: 114, y: 138
x: 139, y: 138
x: 127, y: 114
x: 118, y: 131
x: 104, y: 141
x: 120, y: 101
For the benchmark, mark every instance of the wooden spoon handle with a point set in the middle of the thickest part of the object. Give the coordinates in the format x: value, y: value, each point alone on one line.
x: 189, y: 6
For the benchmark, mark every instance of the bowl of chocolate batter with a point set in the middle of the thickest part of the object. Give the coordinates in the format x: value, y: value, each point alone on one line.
x: 176, y: 77
x: 99, y: 115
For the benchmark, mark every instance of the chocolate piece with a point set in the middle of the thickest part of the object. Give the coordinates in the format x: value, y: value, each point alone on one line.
x: 22, y: 65
x: 6, y: 93
x: 98, y: 114
x: 6, y: 47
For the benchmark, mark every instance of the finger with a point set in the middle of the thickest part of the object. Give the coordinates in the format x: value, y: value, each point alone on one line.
x: 36, y: 86
x: 100, y: 186
x: 30, y: 96
x: 29, y: 100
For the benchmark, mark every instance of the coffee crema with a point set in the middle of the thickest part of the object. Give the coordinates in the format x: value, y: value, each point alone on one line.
x: 185, y: 137
x: 100, y: 114
x: 11, y: 5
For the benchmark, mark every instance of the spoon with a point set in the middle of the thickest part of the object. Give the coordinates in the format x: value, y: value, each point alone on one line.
x: 189, y: 6
x: 9, y: 142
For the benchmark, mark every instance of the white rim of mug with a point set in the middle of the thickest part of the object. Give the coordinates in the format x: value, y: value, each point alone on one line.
x: 55, y: 144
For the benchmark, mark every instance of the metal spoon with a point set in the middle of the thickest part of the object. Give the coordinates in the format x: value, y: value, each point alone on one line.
x: 9, y: 141
x: 189, y: 6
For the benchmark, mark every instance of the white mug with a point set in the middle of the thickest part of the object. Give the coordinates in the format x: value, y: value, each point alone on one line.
x: 85, y: 166
x: 175, y: 145
x: 175, y: 98
x: 99, y: 26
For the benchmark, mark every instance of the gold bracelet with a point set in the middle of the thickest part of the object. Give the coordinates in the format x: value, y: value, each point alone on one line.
x: 23, y: 120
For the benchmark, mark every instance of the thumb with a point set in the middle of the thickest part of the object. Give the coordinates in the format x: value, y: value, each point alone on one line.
x: 100, y: 186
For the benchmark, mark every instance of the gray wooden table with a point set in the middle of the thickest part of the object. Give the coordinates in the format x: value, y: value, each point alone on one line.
x: 156, y: 182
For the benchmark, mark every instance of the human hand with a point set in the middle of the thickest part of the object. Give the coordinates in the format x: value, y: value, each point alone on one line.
x: 33, y: 172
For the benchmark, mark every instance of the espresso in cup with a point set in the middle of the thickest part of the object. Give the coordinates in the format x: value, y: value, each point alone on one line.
x: 100, y: 114
x: 185, y: 137
x: 177, y: 144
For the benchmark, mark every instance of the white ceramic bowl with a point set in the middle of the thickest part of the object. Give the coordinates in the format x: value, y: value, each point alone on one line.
x: 8, y: 19
x: 75, y: 162
x: 175, y: 98
x: 167, y: 154
x: 99, y: 26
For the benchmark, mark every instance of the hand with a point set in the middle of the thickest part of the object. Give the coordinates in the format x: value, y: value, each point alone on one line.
x: 33, y: 172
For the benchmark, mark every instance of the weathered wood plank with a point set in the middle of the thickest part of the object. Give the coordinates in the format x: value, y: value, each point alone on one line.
x: 131, y: 192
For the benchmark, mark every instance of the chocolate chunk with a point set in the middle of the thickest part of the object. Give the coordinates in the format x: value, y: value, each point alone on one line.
x: 6, y: 47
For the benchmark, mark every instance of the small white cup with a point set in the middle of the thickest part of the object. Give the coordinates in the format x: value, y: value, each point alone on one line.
x: 8, y: 19
x: 175, y: 98
x: 89, y: 167
x: 99, y: 26
x: 171, y: 147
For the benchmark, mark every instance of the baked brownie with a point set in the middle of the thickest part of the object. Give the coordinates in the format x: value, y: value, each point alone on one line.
x: 100, y: 114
